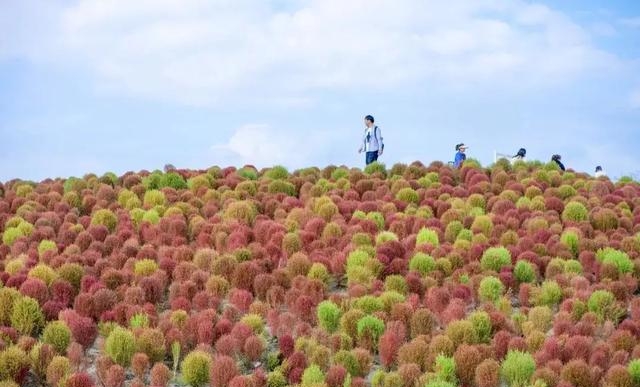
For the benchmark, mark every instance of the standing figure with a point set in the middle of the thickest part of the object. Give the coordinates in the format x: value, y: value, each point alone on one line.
x: 460, y: 155
x: 556, y: 159
x: 372, y: 143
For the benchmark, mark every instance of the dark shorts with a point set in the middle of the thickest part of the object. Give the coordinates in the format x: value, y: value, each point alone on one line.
x: 371, y: 157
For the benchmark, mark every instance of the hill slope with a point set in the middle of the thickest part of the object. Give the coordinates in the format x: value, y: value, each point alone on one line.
x: 414, y: 274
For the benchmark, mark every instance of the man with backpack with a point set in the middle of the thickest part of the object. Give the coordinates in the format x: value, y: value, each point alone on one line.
x: 372, y: 143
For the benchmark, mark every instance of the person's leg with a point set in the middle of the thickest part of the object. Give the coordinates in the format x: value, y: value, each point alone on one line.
x: 374, y: 156
x: 369, y: 157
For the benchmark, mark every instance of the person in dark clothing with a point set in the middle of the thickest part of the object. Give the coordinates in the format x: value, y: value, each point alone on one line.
x: 520, y: 156
x: 556, y: 159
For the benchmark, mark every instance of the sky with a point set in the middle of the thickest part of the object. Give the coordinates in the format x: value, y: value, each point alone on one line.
x: 93, y: 86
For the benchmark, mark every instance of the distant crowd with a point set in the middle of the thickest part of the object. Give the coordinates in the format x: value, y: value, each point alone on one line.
x: 373, y: 147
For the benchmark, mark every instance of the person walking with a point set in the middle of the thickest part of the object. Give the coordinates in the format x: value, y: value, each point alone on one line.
x: 460, y: 155
x: 372, y: 142
x: 556, y: 159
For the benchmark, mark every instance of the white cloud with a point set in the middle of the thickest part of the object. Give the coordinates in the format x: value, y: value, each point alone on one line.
x: 262, y: 145
x: 250, y: 52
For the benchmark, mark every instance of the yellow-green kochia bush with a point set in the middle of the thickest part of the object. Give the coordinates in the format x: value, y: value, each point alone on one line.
x: 195, y: 368
x: 120, y: 346
x: 58, y: 334
x: 27, y: 317
x: 328, y: 315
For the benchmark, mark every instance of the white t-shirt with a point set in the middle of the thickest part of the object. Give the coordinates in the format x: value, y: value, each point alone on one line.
x: 372, y: 139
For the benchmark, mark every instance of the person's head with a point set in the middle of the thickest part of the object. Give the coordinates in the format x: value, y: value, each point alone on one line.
x: 368, y: 120
x: 521, y: 152
x: 461, y: 147
x: 598, y: 169
x: 556, y: 157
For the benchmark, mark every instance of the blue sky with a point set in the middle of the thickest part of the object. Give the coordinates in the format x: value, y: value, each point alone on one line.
x: 114, y: 85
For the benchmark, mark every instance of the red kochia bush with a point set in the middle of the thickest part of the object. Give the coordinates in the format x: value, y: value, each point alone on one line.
x: 36, y: 289
x: 390, y: 342
x: 336, y: 375
x: 79, y: 379
x: 83, y: 329
x: 223, y: 370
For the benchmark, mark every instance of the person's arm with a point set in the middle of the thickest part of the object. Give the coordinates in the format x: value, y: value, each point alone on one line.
x: 380, y: 141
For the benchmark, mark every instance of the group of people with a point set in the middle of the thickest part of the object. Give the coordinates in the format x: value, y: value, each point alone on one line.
x: 373, y: 146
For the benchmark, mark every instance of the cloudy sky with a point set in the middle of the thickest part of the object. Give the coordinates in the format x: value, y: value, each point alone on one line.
x: 119, y: 85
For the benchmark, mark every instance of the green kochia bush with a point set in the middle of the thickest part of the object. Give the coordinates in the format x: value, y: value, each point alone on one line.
x: 427, y: 236
x: 603, y: 303
x: 634, y: 371
x: 195, y: 368
x: 312, y: 376
x: 120, y: 346
x: 422, y: 263
x: 495, y: 258
x: 575, y: 211
x: 372, y: 326
x: 617, y: 258
x: 408, y: 195
x: 491, y: 289
x: 445, y: 368
x: 105, y: 218
x: 58, y: 334
x: 27, y: 317
x: 328, y: 315
x: 517, y: 368
x: 524, y: 272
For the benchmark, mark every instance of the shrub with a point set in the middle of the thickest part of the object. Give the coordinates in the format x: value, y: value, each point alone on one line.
x: 8, y: 296
x: 195, y: 368
x: 13, y: 362
x: 575, y: 211
x: 152, y: 343
x: 524, y: 272
x: 312, y: 375
x: 328, y: 315
x: 319, y: 272
x: 120, y: 346
x: 495, y: 258
x: 549, y: 294
x: 104, y: 217
x: 276, y: 379
x: 617, y: 258
x: 408, y: 195
x: 422, y: 263
x: 368, y: 304
x: 241, y: 210
x: 58, y: 334
x: 277, y: 172
x: 145, y: 267
x: 482, y: 324
x: 487, y: 374
x: 634, y: 371
x: 10, y: 235
x: 58, y: 370
x: 376, y: 167
x: 253, y: 321
x: 281, y: 186
x: 395, y: 283
x: 79, y: 379
x: 461, y: 332
x: 491, y: 289
x: 439, y: 383
x: 445, y: 368
x: 371, y: 326
x: 517, y: 368
x: 385, y: 236
x: 571, y: 239
x: 467, y: 358
x: 541, y: 317
x: 482, y: 224
x: 422, y: 322
x: 603, y: 304
x: 160, y: 375
x: 427, y: 236
x: 153, y: 198
x: 46, y: 245
x: 578, y: 373
x: 26, y: 316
